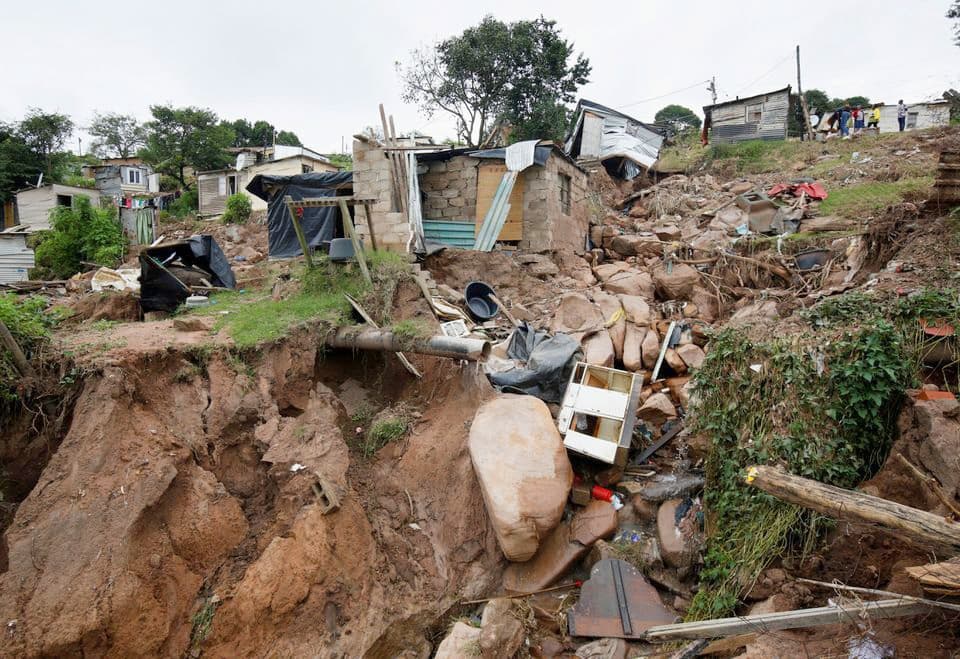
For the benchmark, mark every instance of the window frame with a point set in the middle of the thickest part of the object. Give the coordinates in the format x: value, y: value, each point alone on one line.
x: 566, y: 183
x: 747, y: 112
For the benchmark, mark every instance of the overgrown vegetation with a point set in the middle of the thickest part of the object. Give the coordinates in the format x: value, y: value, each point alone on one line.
x: 29, y: 321
x: 872, y: 197
x: 238, y: 209
x: 186, y: 204
x: 254, y: 317
x: 79, y: 234
x: 822, y: 405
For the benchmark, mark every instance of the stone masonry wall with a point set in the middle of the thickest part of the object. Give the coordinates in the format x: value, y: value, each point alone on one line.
x: 372, y: 178
x: 450, y: 189
x: 545, y: 226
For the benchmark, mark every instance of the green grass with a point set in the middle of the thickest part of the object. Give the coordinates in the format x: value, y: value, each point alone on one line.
x: 857, y: 201
x: 383, y: 432
x: 253, y: 318
x: 757, y: 156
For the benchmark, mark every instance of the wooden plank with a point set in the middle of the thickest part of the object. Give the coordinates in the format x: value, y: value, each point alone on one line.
x: 903, y: 521
x: 395, y: 179
x: 357, y: 247
x: 488, y: 179
x: 494, y: 221
x: 771, y: 622
x: 291, y: 208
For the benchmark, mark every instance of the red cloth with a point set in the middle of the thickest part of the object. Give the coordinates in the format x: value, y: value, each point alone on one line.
x: 813, y: 190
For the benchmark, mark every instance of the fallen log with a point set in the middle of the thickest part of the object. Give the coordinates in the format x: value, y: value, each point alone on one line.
x: 938, y: 578
x: 19, y: 359
x: 771, y: 622
x: 849, y: 505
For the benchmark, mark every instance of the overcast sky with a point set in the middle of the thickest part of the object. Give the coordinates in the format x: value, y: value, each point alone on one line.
x: 320, y: 68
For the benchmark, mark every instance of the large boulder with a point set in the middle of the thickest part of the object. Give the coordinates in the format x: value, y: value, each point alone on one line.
x: 576, y: 315
x: 501, y: 632
x: 462, y: 641
x: 636, y: 309
x: 598, y: 349
x: 523, y: 469
x: 692, y: 355
x: 608, y: 270
x: 631, y: 282
x: 656, y: 410
x: 610, y: 308
x: 650, y: 348
x: 939, y: 451
x: 632, y: 353
x: 633, y: 245
x: 675, y: 283
x: 678, y: 530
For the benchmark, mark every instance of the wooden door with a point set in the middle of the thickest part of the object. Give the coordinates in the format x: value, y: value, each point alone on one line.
x: 489, y: 176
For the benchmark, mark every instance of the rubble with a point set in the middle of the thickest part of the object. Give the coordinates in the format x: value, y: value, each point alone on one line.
x: 462, y: 641
x: 501, y: 632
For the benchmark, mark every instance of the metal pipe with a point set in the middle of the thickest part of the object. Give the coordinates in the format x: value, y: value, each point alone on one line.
x: 386, y: 341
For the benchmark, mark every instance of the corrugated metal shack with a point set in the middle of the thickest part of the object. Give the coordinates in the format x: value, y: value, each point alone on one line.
x: 624, y: 145
x: 760, y: 117
x: 16, y: 258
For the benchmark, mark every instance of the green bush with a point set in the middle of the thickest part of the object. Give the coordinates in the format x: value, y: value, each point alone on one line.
x: 186, y: 204
x: 29, y: 321
x: 79, y: 233
x: 238, y: 209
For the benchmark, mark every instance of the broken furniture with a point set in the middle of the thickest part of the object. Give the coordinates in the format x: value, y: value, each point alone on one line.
x: 616, y: 602
x: 759, y: 209
x: 173, y: 271
x: 598, y: 412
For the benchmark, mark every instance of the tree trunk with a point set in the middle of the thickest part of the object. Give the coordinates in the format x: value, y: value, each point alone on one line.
x: 921, y: 527
x: 19, y: 360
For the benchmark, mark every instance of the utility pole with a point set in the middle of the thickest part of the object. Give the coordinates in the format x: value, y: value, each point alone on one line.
x: 713, y: 90
x: 803, y: 101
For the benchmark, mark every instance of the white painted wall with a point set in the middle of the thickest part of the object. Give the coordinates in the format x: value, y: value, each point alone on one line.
x: 929, y: 115
x: 34, y: 205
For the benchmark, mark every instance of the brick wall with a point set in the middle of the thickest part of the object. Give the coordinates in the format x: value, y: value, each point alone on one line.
x: 372, y: 178
x: 449, y: 189
x: 545, y: 224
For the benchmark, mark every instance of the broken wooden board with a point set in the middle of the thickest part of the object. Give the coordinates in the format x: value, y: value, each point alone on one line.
x: 489, y: 176
x: 939, y: 578
x: 616, y: 602
x: 771, y: 622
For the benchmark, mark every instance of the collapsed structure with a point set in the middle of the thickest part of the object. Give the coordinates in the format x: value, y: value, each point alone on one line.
x: 623, y: 145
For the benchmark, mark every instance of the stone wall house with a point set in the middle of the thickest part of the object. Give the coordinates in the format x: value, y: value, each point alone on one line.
x: 549, y: 207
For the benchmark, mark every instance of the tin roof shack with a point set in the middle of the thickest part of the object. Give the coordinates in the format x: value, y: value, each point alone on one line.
x: 927, y: 114
x: 216, y: 185
x: 760, y: 117
x: 34, y: 204
x: 548, y: 208
x: 624, y: 145
x: 16, y: 258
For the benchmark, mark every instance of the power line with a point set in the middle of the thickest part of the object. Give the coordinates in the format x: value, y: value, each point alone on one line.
x: 654, y: 98
x: 765, y: 74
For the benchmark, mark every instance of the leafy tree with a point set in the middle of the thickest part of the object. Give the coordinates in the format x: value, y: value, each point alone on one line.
x: 954, y: 13
x: 80, y: 233
x: 862, y: 101
x: 678, y: 117
x: 46, y: 133
x: 178, y: 138
x: 19, y: 164
x: 117, y: 135
x: 817, y: 101
x: 260, y: 133
x: 519, y: 71
x: 288, y: 138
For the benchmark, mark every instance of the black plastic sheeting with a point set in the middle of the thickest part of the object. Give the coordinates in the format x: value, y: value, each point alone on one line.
x: 161, y: 291
x: 320, y: 225
x: 547, y: 362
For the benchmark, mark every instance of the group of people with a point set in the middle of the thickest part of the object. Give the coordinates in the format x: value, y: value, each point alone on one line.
x: 857, y: 118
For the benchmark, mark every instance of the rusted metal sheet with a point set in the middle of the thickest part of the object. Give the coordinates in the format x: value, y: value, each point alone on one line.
x: 618, y: 602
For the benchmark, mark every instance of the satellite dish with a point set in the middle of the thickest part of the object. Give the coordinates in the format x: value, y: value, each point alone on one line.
x: 814, y: 120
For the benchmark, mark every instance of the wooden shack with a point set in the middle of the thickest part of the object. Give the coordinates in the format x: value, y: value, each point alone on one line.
x: 760, y: 117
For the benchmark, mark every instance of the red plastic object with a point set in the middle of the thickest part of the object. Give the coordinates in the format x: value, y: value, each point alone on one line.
x: 935, y: 395
x: 813, y: 190
x: 601, y: 493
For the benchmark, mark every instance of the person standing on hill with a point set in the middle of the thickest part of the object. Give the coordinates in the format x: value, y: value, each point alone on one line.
x: 901, y: 114
x: 857, y: 120
x: 845, y: 122
x: 874, y: 117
